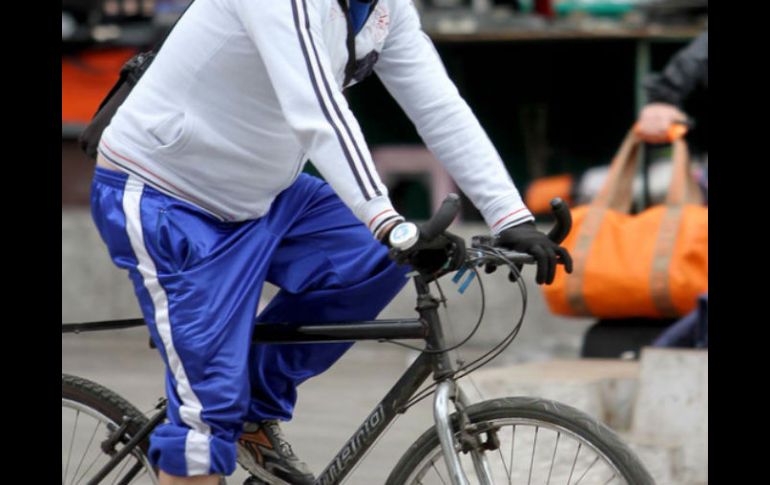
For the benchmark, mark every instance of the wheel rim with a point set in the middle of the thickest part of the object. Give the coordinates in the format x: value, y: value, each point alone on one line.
x: 83, y: 430
x: 531, y: 452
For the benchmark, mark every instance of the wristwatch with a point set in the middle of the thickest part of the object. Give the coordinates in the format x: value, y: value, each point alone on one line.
x: 404, y: 236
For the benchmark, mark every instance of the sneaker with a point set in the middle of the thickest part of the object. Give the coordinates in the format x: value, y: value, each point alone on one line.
x: 265, y: 453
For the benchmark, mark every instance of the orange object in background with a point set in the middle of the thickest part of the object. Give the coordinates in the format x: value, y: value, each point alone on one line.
x: 86, y: 79
x: 541, y: 191
x: 652, y: 264
x: 674, y: 132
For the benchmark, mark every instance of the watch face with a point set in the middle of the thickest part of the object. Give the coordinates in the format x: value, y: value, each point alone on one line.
x: 404, y: 234
x: 400, y: 232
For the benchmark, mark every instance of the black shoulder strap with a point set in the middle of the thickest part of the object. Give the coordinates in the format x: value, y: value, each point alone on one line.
x: 134, y: 67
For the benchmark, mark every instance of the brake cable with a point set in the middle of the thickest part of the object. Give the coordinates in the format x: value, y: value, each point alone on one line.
x: 495, y: 351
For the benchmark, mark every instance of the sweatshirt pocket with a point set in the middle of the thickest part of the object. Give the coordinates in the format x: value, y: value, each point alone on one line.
x: 172, y: 133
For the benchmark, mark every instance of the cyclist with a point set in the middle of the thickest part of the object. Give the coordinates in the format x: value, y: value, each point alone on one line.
x: 198, y: 193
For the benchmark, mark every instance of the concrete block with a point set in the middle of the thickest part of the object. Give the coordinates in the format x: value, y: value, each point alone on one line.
x: 603, y: 388
x: 672, y: 406
x: 660, y: 459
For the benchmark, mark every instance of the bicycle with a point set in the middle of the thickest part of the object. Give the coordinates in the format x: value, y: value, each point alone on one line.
x: 473, y: 441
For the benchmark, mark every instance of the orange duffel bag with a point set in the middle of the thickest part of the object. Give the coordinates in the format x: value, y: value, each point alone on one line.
x: 652, y: 264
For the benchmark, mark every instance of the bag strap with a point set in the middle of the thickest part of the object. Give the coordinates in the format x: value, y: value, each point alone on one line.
x: 683, y: 188
x: 617, y: 191
x: 615, y: 194
x: 682, y: 191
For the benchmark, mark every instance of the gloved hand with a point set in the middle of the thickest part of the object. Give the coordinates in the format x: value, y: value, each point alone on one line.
x: 525, y: 238
x: 430, y: 256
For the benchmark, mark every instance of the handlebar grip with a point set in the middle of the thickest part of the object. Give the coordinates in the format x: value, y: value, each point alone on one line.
x: 563, y: 221
x: 442, y: 219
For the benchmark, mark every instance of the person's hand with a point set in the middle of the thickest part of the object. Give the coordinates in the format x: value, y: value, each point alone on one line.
x: 444, y: 252
x: 655, y: 121
x: 525, y: 238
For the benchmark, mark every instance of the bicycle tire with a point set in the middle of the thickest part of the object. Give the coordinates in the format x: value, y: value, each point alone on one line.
x: 95, y: 402
x: 531, y: 411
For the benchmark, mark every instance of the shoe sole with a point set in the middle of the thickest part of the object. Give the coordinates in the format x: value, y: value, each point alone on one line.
x: 248, y: 463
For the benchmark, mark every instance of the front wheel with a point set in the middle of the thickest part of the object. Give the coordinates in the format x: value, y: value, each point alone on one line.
x: 528, y: 440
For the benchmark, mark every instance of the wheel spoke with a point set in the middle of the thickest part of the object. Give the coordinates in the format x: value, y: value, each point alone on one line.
x: 88, y: 447
x: 611, y: 478
x: 513, y: 441
x: 504, y: 465
x: 117, y: 475
x: 125, y: 463
x: 433, y: 464
x: 72, y: 441
x: 589, y: 468
x: 560, y: 453
x: 532, y: 461
x: 85, y: 473
x: 553, y: 458
x: 574, y: 463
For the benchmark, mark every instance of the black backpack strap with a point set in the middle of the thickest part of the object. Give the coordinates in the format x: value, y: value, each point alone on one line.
x: 168, y: 31
x: 133, y: 69
x: 130, y: 73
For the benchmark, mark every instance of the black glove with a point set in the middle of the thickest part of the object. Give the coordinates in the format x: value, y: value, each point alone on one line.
x: 525, y: 238
x: 429, y: 257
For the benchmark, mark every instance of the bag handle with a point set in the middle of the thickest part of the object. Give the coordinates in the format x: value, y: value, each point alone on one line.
x: 617, y: 191
x: 683, y: 188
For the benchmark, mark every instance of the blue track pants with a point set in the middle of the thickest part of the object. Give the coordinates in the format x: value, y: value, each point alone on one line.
x: 198, y: 281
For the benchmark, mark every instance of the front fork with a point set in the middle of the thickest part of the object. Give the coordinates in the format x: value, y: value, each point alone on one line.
x: 447, y: 391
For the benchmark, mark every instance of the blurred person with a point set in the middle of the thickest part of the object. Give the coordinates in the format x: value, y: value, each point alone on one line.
x: 668, y: 91
x: 199, y: 193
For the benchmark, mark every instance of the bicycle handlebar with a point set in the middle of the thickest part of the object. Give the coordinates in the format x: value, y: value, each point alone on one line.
x: 443, y: 218
x: 563, y: 221
x: 479, y: 251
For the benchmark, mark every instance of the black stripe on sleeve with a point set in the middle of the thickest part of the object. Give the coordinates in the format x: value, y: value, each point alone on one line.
x: 325, y: 110
x: 334, y: 103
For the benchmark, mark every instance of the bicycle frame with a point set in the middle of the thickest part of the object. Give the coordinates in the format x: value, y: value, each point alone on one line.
x: 427, y: 327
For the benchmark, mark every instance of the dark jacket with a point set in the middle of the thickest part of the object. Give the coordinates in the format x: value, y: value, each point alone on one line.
x: 684, y: 83
x: 686, y: 71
